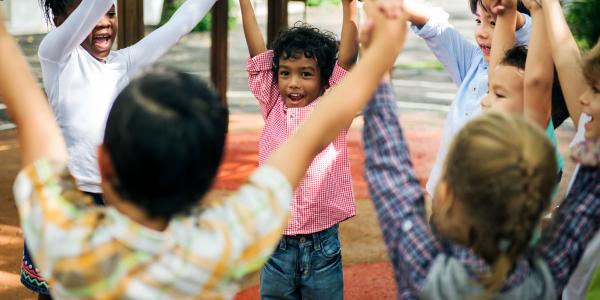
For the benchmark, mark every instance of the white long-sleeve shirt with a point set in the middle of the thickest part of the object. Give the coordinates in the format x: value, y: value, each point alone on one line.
x: 81, y: 89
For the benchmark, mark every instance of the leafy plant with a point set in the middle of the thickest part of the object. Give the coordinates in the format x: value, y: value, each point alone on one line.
x: 583, y: 17
x: 319, y: 2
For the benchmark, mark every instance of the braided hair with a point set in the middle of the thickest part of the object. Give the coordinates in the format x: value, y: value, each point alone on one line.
x: 503, y: 170
x: 54, y: 8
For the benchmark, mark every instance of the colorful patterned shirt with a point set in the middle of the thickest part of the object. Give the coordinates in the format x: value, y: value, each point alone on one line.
x: 325, y: 196
x: 423, y: 264
x: 90, y: 252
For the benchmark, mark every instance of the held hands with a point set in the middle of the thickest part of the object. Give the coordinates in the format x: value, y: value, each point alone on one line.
x: 532, y: 4
x: 499, y: 7
x: 385, y: 24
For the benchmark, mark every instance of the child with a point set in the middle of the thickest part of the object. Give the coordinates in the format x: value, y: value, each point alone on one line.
x: 466, y: 62
x: 288, y: 82
x: 522, y: 83
x: 82, y: 77
x: 581, y: 94
x: 162, y: 146
x: 497, y: 180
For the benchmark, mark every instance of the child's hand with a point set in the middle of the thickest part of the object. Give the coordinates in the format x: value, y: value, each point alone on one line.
x: 532, y: 4
x: 498, y: 7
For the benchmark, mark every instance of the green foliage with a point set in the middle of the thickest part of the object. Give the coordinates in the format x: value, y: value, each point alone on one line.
x: 423, y: 65
x: 319, y: 2
x: 584, y: 20
x: 171, y: 6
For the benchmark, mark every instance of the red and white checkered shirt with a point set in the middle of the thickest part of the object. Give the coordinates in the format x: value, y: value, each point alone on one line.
x: 325, y: 196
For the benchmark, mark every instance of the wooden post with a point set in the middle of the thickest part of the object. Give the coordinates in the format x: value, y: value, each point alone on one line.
x: 219, y: 48
x: 131, y: 22
x: 277, y: 19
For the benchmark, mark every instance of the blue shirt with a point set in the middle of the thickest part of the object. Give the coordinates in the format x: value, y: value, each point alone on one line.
x: 464, y: 61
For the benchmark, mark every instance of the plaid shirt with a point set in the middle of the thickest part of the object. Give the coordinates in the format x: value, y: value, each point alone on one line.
x: 325, y: 196
x: 90, y: 252
x: 412, y: 246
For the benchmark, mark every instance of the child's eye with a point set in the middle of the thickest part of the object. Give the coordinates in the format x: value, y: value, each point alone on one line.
x: 595, y: 90
x: 306, y: 74
x: 284, y: 73
x: 477, y: 21
x: 493, y: 23
x: 500, y: 96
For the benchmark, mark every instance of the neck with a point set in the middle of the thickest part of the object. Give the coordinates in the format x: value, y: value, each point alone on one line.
x: 132, y: 211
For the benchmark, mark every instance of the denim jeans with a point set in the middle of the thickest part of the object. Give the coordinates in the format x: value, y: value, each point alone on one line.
x: 307, y: 266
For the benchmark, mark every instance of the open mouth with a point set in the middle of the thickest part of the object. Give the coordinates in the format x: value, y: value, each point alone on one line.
x: 485, y: 49
x: 102, y: 41
x: 295, y: 97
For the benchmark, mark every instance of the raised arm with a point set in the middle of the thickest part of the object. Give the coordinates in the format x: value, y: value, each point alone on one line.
x: 157, y: 43
x: 60, y: 42
x: 539, y: 70
x: 349, y: 39
x: 254, y: 37
x: 566, y: 55
x: 328, y: 118
x: 504, y: 32
x: 38, y: 133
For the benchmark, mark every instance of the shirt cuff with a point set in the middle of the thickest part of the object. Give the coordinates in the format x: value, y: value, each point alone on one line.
x: 438, y: 21
x: 337, y: 74
x: 522, y: 35
x: 261, y: 62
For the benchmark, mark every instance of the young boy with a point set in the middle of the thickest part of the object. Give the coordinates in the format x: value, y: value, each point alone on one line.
x: 163, y: 143
x: 288, y: 82
x: 467, y: 63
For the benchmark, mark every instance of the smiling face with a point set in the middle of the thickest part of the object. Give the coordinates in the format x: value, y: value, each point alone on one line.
x: 590, y: 104
x: 100, y: 41
x: 484, y: 32
x: 505, y: 91
x: 299, y: 81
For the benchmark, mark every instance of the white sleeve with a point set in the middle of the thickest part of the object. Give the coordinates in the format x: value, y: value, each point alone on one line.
x: 60, y: 42
x: 157, y: 43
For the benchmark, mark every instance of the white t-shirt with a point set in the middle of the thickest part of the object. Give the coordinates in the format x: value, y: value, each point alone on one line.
x: 81, y: 89
x: 580, y: 279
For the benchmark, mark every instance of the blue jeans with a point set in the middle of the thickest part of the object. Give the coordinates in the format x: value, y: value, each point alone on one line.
x: 307, y: 266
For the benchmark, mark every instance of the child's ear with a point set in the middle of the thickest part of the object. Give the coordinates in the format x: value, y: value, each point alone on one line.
x: 104, y: 164
x: 444, y: 198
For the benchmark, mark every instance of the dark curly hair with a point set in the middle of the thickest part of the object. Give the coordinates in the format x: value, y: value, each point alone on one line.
x: 307, y: 40
x: 56, y: 8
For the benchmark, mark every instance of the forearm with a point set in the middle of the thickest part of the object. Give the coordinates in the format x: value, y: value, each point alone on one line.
x: 156, y: 44
x: 576, y: 222
x: 539, y: 73
x: 254, y: 38
x: 566, y: 56
x: 38, y: 133
x: 349, y: 39
x: 61, y: 41
x: 504, y: 37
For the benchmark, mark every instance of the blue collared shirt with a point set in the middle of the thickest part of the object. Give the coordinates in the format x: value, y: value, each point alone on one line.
x: 464, y: 61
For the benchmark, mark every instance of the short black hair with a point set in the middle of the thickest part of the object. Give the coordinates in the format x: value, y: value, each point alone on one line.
x: 515, y: 57
x: 165, y: 135
x: 520, y: 7
x: 307, y: 40
x: 55, y: 8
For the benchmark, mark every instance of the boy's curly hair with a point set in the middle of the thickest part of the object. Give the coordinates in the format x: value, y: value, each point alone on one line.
x: 307, y: 40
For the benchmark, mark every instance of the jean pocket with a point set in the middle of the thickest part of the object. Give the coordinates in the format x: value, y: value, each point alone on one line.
x: 330, y: 246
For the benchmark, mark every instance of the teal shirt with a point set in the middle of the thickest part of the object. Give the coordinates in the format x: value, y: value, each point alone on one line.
x: 552, y: 137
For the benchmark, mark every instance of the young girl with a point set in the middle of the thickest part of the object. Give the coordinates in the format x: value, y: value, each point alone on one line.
x: 141, y: 246
x: 288, y: 82
x: 466, y: 62
x: 498, y: 177
x: 580, y: 86
x: 82, y: 77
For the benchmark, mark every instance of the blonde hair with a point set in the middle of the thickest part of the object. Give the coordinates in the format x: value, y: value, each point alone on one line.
x: 591, y: 65
x: 503, y: 170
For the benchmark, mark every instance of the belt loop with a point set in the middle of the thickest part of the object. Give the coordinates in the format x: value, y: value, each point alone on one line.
x: 317, y: 240
x: 282, y: 243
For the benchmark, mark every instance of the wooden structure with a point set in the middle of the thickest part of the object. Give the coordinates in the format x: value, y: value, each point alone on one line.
x: 131, y: 30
